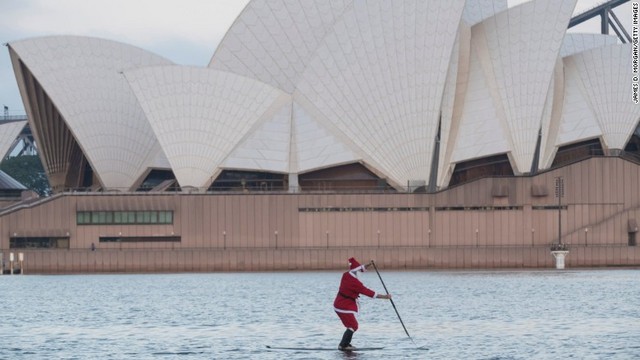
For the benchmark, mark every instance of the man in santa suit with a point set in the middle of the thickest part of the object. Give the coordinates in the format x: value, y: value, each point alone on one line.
x: 346, y: 302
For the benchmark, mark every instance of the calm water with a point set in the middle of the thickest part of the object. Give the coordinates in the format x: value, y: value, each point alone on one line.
x: 551, y: 314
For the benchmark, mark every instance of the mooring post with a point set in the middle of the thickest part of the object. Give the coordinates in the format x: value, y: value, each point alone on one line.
x: 559, y: 250
x: 11, y: 263
x: 21, y: 259
x: 559, y: 255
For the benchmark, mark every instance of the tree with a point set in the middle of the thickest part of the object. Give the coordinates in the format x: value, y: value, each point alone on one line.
x: 28, y: 170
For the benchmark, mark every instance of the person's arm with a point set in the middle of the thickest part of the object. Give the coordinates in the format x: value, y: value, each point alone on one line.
x: 379, y: 296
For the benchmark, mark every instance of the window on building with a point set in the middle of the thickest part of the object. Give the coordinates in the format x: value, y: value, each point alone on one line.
x: 491, y: 166
x: 245, y: 181
x: 124, y: 217
x: 137, y: 239
x: 39, y: 243
x: 349, y: 177
x: 575, y: 152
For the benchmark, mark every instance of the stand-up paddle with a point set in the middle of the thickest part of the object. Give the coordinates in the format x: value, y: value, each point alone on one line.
x: 393, y: 304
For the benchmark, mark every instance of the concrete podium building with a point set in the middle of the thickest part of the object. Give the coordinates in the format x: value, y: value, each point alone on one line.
x: 418, y: 133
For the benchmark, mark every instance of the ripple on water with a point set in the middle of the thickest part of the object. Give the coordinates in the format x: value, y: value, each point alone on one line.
x: 461, y: 314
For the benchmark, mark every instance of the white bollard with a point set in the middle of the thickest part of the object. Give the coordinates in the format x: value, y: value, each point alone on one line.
x: 11, y: 263
x: 560, y: 255
x: 1, y: 264
x: 21, y: 259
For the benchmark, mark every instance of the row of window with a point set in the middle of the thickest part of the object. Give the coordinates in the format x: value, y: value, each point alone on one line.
x: 38, y: 243
x: 166, y: 217
x: 550, y: 207
x: 138, y: 239
x: 478, y: 208
x: 361, y: 209
x: 124, y: 217
x: 386, y: 209
x: 63, y: 243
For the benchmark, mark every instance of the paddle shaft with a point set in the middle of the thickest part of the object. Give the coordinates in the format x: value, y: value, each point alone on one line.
x: 392, y: 303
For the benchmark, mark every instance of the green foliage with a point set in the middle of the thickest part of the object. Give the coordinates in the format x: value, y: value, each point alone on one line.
x: 29, y: 172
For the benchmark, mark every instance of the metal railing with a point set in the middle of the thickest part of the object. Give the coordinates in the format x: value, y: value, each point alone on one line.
x: 9, y: 118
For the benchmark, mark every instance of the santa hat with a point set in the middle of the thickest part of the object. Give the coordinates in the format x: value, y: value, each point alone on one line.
x: 354, y: 265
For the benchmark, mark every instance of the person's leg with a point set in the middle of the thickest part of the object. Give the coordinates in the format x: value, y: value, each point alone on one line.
x: 350, y: 322
x: 345, y: 343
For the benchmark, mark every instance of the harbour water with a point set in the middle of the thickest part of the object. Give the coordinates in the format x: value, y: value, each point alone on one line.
x: 549, y: 314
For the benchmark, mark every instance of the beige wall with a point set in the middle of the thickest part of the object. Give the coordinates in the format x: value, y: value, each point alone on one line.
x: 601, y: 195
x: 206, y: 260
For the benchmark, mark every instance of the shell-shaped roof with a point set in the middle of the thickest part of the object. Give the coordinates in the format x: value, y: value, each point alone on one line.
x: 296, y: 86
x: 82, y: 77
x: 481, y: 133
x: 551, y: 117
x: 598, y: 96
x: 273, y: 40
x: 379, y: 76
x: 375, y: 71
x: 9, y: 183
x: 317, y: 146
x: 516, y: 52
x: 267, y: 148
x: 201, y: 115
x: 9, y: 131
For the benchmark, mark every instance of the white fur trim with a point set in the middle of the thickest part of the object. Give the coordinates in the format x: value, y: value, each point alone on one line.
x: 345, y: 311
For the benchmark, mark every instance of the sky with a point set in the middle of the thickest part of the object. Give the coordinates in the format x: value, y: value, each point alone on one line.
x: 186, y: 32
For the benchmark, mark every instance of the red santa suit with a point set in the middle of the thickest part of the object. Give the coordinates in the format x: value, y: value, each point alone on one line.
x: 346, y: 302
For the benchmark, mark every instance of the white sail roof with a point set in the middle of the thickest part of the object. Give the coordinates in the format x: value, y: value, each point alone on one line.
x: 267, y: 148
x: 516, y: 51
x: 82, y: 77
x: 297, y: 86
x: 272, y: 41
x: 317, y: 146
x: 598, y: 97
x: 379, y: 77
x: 9, y: 131
x: 200, y: 115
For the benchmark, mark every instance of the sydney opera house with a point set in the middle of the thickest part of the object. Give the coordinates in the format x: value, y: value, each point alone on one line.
x: 422, y: 134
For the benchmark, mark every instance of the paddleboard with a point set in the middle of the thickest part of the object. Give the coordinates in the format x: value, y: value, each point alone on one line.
x: 321, y: 349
